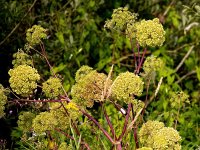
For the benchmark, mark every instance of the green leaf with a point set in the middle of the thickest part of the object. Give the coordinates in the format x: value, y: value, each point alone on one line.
x: 198, y: 72
x: 60, y: 37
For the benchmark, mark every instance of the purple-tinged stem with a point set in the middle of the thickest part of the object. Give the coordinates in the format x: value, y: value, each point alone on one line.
x: 141, y: 61
x: 138, y: 48
x: 132, y: 47
x: 109, y: 122
x: 68, y: 136
x: 100, y: 127
x: 135, y: 137
x: 125, y: 122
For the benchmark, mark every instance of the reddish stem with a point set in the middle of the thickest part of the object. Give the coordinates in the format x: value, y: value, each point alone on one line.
x: 68, y: 136
x: 131, y: 41
x: 109, y: 122
x: 141, y: 61
x: 100, y: 127
x: 135, y: 137
x: 125, y: 122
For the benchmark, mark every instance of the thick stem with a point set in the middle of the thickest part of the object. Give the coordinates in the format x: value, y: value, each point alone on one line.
x: 100, y: 127
x: 141, y: 61
x: 109, y: 123
x: 125, y: 122
x: 132, y: 47
x: 135, y: 137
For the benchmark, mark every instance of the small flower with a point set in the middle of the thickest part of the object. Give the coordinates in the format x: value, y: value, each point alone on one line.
x: 82, y: 72
x: 35, y: 34
x: 151, y: 65
x: 148, y: 128
x: 89, y: 89
x: 25, y: 121
x: 43, y: 122
x: 178, y: 99
x: 3, y: 100
x: 150, y: 33
x: 145, y: 148
x: 153, y: 134
x: 120, y: 18
x: 23, y: 79
x: 21, y: 58
x: 52, y: 88
x: 126, y: 85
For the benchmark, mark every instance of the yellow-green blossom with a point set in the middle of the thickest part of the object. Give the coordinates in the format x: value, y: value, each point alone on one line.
x: 64, y: 113
x: 126, y: 85
x: 35, y: 34
x: 52, y: 88
x: 165, y: 139
x: 89, y: 89
x: 25, y: 121
x: 147, y: 129
x: 82, y: 72
x: 150, y: 33
x: 23, y: 79
x: 120, y: 18
x: 153, y: 134
x: 145, y: 148
x: 137, y: 105
x: 151, y: 65
x: 3, y: 101
x: 43, y: 122
x: 21, y: 58
x: 178, y: 99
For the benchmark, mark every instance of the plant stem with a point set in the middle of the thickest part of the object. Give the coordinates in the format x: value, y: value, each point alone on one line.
x: 109, y: 122
x: 100, y: 127
x: 125, y: 122
x: 141, y: 61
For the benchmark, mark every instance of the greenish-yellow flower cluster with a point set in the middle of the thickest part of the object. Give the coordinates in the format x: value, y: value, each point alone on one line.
x: 127, y: 85
x: 35, y: 34
x: 137, y: 105
x: 179, y: 99
x: 64, y: 146
x: 89, y: 88
x: 151, y: 65
x: 43, y: 122
x: 59, y: 116
x: 150, y: 33
x: 155, y: 135
x: 82, y: 72
x: 21, y: 58
x: 120, y: 18
x: 25, y: 121
x: 3, y: 101
x: 52, y: 88
x: 23, y: 79
x: 145, y: 148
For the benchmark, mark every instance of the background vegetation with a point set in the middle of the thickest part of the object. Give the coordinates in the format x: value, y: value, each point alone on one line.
x: 76, y: 37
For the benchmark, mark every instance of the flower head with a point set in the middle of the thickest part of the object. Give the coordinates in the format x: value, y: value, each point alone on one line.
x: 178, y: 99
x: 21, y: 58
x: 125, y: 85
x: 23, y: 79
x: 43, y: 122
x: 82, y: 72
x: 35, y: 34
x: 150, y: 33
x: 3, y: 100
x: 52, y: 87
x: 25, y: 121
x: 153, y: 134
x: 89, y: 88
x: 151, y: 65
x: 120, y: 18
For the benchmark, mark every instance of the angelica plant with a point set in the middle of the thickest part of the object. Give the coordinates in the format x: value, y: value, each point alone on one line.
x: 69, y: 115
